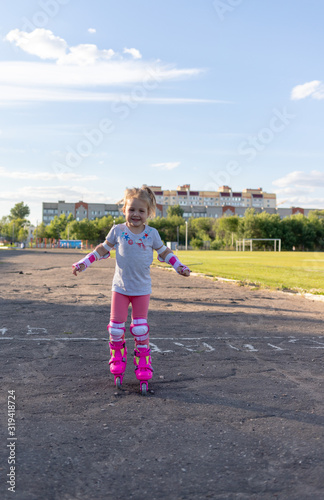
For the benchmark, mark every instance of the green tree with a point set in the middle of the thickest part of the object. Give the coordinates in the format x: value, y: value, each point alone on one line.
x: 19, y: 211
x: 229, y: 224
x: 317, y: 220
x: 56, y: 227
x: 226, y: 228
x: 105, y: 224
x: 251, y: 225
x: 197, y: 243
x: 317, y: 213
x: 22, y: 234
x: 88, y: 230
x: 202, y: 226
x: 175, y: 210
x: 15, y: 230
x: 167, y: 226
x: 3, y: 223
x: 40, y: 231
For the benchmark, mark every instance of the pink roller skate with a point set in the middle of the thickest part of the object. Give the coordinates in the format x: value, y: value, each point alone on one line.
x: 118, y: 361
x: 143, y: 368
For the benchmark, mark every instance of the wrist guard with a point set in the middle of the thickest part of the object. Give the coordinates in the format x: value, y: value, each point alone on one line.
x: 175, y: 262
x: 88, y: 260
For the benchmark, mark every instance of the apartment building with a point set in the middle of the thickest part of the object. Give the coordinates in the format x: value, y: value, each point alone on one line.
x: 216, y: 204
x: 80, y: 210
x: 184, y: 196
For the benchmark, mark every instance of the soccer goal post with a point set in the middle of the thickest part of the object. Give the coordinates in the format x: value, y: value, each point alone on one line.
x: 241, y: 244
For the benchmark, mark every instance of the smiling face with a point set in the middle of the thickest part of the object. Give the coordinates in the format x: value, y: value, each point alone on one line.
x: 136, y: 214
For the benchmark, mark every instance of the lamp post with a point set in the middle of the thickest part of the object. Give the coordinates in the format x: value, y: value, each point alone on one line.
x: 186, y: 235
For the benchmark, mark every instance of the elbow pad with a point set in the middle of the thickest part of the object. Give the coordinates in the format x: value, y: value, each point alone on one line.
x: 159, y: 251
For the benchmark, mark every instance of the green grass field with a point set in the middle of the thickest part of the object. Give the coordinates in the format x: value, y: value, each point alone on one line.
x: 300, y: 271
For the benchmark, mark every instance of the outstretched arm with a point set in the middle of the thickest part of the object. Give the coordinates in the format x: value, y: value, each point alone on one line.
x: 168, y: 256
x: 101, y: 251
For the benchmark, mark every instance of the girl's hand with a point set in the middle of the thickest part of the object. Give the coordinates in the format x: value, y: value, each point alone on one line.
x: 183, y: 270
x: 75, y: 271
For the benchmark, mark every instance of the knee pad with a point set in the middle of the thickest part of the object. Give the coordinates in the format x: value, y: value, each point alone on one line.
x: 140, y: 329
x: 116, y: 331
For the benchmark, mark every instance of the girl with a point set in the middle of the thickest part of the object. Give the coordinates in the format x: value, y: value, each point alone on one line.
x: 134, y: 242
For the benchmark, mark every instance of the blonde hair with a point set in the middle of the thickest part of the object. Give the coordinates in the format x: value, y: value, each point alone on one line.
x: 145, y: 194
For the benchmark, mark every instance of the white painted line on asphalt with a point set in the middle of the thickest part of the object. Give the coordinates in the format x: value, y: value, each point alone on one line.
x: 3, y: 330
x: 47, y: 339
x: 219, y: 338
x: 276, y: 347
x: 183, y: 338
x: 191, y: 344
x: 187, y: 348
x: 232, y: 347
x: 250, y: 347
x: 156, y: 349
x: 209, y: 347
x: 80, y: 338
x: 33, y: 330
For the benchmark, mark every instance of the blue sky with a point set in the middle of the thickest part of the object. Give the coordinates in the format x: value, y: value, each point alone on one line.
x: 99, y: 96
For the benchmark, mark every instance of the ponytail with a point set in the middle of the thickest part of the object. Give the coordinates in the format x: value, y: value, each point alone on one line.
x: 152, y: 204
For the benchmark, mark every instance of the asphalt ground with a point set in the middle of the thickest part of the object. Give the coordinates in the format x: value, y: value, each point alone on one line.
x: 235, y: 408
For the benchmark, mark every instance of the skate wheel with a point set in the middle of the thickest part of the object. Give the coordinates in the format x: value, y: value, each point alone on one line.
x: 144, y: 389
x: 118, y: 383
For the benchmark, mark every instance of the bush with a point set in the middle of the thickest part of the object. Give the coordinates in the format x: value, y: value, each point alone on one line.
x: 216, y: 245
x: 197, y: 243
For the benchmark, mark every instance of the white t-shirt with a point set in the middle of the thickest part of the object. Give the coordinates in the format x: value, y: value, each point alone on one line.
x: 134, y: 256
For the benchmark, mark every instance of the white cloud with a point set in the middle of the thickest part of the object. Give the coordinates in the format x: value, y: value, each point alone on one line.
x: 40, y: 42
x: 103, y: 73
x: 22, y: 81
x: 92, y: 30
x: 301, y: 189
x: 166, y: 166
x: 305, y: 201
x: 44, y: 176
x: 133, y: 52
x: 18, y: 95
x: 54, y: 193
x: 85, y: 54
x: 44, y: 44
x: 314, y: 89
x: 314, y: 179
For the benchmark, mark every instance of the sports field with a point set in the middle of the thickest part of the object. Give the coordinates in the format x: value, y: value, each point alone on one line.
x: 301, y: 271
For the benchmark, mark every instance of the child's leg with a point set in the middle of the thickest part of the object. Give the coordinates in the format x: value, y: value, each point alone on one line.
x: 139, y: 327
x: 140, y: 330
x: 118, y: 317
x: 116, y: 329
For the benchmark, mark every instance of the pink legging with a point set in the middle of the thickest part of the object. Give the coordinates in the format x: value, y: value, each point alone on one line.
x: 120, y: 303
